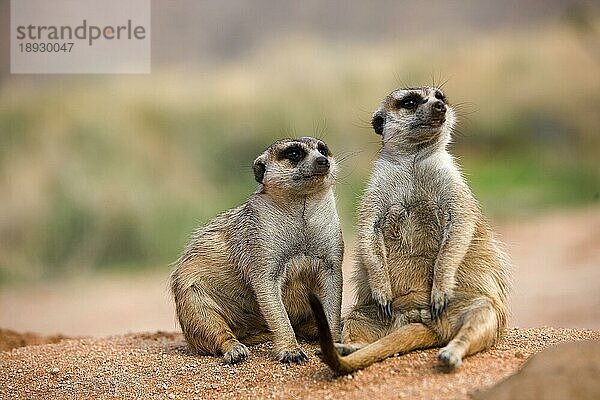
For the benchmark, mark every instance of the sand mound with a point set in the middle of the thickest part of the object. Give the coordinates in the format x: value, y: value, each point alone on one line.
x: 159, y: 366
x: 10, y: 339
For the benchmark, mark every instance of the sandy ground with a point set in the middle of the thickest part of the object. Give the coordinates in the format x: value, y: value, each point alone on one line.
x: 158, y: 366
x: 556, y: 261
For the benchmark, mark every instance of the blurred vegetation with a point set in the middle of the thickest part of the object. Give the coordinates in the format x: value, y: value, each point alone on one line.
x: 113, y: 173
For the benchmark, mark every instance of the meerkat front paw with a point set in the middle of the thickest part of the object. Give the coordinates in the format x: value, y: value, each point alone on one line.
x: 383, y: 299
x: 238, y: 352
x: 296, y: 355
x: 439, y: 301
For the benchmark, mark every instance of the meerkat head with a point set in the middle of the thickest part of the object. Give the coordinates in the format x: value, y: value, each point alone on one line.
x: 413, y: 118
x: 300, y: 166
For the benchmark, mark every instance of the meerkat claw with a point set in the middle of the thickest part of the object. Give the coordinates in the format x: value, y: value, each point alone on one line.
x: 237, y: 353
x: 439, y: 302
x: 293, y: 356
x: 388, y: 310
x: 385, y: 310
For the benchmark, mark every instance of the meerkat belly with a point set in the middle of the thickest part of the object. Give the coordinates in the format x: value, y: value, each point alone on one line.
x: 301, y: 279
x: 412, y: 234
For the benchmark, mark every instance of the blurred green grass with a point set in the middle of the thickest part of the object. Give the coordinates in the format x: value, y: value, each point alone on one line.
x: 113, y: 173
x: 531, y: 183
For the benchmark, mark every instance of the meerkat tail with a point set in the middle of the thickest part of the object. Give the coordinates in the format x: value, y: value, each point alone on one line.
x: 404, y: 339
x: 330, y: 354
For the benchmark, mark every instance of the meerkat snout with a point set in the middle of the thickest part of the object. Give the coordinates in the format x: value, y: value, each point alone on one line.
x: 439, y: 107
x: 438, y: 110
x: 321, y: 164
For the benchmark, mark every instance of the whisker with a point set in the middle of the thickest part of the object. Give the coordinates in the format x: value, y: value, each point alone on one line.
x: 320, y: 129
x: 341, y: 159
x: 401, y: 82
x: 363, y: 124
x: 441, y: 86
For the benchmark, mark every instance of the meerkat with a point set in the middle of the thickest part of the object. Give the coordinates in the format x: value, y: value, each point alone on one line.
x: 244, y: 277
x: 429, y: 270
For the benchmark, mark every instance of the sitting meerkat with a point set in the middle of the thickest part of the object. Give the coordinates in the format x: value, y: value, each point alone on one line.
x: 244, y: 278
x: 430, y: 271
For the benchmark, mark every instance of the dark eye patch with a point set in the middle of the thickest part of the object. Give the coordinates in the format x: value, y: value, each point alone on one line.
x: 440, y: 96
x: 409, y: 102
x: 294, y: 153
x: 323, y: 149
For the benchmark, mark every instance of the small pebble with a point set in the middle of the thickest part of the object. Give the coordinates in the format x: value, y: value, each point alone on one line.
x: 519, y: 354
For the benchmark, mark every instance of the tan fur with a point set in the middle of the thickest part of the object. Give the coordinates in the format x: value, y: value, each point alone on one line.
x: 423, y: 247
x: 245, y: 276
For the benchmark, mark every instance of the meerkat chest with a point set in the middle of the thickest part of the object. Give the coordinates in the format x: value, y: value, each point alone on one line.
x: 320, y: 229
x: 313, y: 249
x: 310, y: 232
x: 414, y: 225
x: 320, y: 221
x: 414, y: 220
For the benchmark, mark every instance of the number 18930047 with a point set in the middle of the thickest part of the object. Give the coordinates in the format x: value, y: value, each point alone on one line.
x: 45, y: 47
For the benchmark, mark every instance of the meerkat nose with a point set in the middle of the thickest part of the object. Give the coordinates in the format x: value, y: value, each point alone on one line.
x: 439, y: 107
x: 322, y: 161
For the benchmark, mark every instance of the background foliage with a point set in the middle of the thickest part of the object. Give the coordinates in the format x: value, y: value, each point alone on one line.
x: 113, y: 172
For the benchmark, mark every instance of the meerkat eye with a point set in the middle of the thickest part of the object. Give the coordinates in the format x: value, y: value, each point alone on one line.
x: 409, y: 102
x: 440, y: 96
x: 323, y: 149
x: 294, y: 153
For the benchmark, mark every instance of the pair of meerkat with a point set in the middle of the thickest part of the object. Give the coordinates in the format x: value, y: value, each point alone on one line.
x: 245, y: 277
x: 429, y: 270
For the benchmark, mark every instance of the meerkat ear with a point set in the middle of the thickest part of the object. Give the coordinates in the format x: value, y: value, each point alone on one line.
x: 259, y: 168
x: 378, y: 121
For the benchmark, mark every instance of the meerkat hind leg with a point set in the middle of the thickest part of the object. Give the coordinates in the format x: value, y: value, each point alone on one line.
x: 478, y: 332
x: 226, y: 342
x: 398, y: 320
x: 232, y: 349
x: 404, y: 339
x: 206, y: 330
x: 215, y: 330
x: 256, y: 338
x: 362, y: 326
x: 362, y: 329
